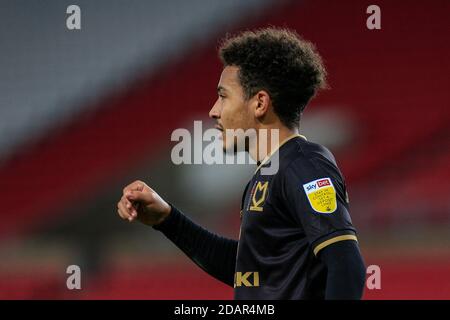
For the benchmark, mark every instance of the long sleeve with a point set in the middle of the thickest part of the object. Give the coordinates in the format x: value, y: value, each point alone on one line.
x: 214, y: 254
x: 346, y: 271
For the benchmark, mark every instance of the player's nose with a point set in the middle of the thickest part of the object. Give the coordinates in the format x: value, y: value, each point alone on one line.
x: 214, y: 113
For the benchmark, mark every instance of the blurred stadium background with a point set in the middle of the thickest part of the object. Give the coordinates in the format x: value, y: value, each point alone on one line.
x: 83, y: 113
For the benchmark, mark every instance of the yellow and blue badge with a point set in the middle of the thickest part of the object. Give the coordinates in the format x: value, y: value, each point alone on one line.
x: 321, y: 195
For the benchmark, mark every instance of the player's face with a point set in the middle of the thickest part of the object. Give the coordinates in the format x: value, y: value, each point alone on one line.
x: 231, y: 109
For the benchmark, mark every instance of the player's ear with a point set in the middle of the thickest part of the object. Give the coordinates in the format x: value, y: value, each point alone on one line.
x: 262, y: 101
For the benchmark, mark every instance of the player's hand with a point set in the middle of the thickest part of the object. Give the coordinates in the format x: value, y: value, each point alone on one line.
x: 142, y: 203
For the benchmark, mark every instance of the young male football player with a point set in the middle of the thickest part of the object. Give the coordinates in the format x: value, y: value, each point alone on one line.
x: 296, y: 240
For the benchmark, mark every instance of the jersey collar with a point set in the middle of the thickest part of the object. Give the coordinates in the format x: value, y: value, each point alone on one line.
x: 267, y: 158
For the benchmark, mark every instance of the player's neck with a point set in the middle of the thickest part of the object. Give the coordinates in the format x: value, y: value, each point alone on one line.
x: 269, y: 140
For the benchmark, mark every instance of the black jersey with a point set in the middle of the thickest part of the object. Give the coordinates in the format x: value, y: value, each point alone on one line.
x: 286, y: 219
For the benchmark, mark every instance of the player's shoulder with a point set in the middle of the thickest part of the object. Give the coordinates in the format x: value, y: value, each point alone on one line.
x: 303, y: 164
x: 302, y: 152
x: 302, y: 158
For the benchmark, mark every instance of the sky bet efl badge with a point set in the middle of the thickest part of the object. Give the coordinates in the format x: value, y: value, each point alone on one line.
x: 321, y: 195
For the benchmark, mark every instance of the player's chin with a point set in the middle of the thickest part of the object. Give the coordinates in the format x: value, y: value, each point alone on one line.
x: 228, y: 146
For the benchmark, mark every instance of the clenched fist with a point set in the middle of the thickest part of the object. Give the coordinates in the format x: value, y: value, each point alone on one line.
x: 141, y: 202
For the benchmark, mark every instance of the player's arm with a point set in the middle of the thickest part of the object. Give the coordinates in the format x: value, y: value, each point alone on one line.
x: 316, y: 190
x: 346, y: 271
x: 214, y: 254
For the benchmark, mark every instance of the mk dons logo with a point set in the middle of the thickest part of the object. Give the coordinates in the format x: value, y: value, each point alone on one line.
x: 259, y: 194
x: 246, y: 279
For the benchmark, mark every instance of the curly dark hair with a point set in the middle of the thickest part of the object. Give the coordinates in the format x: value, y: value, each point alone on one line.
x: 280, y: 62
